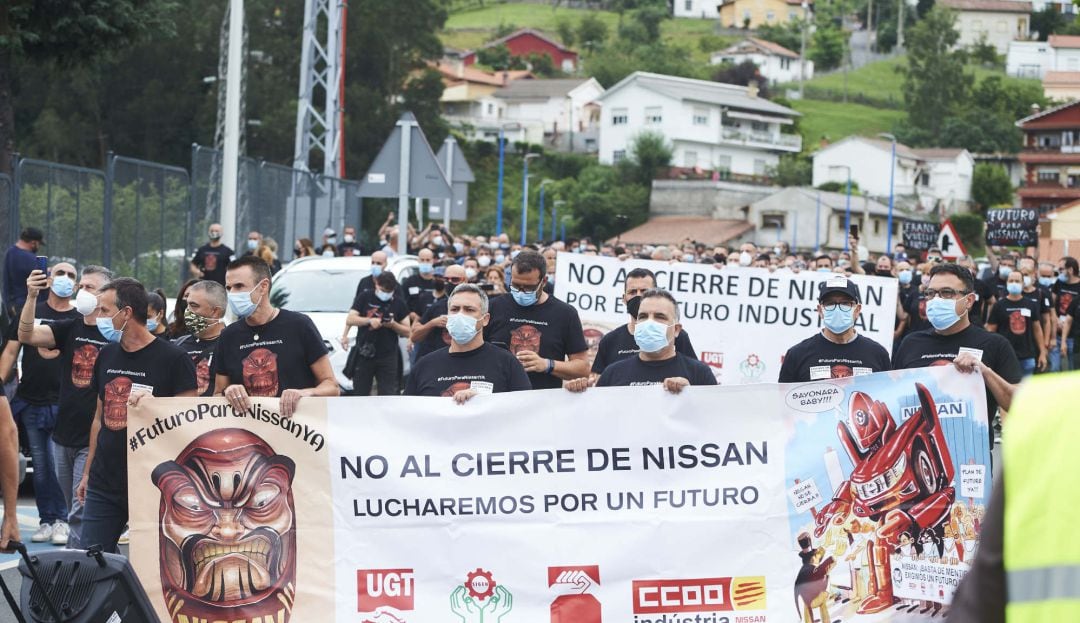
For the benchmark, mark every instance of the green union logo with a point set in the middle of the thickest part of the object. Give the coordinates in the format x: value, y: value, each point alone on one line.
x: 480, y: 599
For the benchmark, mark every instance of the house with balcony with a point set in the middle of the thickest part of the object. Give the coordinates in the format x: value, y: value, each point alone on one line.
x: 1050, y: 157
x: 710, y: 126
x: 468, y: 101
x: 564, y: 108
x: 933, y: 178
x: 775, y: 63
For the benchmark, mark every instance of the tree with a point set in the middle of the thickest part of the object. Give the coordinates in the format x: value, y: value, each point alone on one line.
x: 650, y: 152
x: 788, y: 35
x: 984, y: 52
x: 935, y: 85
x: 566, y: 32
x: 990, y: 186
x: 541, y: 64
x: 742, y: 74
x: 827, y: 48
x: 1048, y: 21
x: 496, y: 57
x: 793, y: 170
x: 71, y: 32
x: 592, y: 32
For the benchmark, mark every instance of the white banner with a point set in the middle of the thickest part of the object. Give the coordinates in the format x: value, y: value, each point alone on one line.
x: 741, y: 321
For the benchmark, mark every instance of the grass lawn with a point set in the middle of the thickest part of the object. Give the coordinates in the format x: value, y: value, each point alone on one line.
x: 836, y: 120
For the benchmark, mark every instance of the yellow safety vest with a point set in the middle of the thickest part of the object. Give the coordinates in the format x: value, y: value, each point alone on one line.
x: 1042, y: 501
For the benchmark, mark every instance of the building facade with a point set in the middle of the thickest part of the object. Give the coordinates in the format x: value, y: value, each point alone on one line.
x: 1051, y: 158
x: 527, y: 41
x: 1000, y: 22
x: 756, y: 13
x: 775, y: 63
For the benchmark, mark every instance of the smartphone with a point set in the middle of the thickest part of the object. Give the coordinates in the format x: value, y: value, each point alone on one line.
x: 43, y: 264
x: 853, y: 231
x: 487, y: 287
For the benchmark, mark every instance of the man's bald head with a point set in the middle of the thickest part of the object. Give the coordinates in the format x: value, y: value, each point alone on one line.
x: 455, y: 271
x: 378, y: 258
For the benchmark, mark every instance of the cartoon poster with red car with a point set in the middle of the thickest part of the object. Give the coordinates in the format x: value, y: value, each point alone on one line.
x: 888, y: 478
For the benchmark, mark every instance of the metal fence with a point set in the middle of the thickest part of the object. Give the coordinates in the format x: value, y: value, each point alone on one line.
x: 144, y: 219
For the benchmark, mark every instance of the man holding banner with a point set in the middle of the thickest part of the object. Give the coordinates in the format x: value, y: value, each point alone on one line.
x: 837, y: 350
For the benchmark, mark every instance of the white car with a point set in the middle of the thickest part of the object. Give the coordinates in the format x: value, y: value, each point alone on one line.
x: 322, y: 288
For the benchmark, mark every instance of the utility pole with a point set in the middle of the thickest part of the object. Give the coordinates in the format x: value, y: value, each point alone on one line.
x: 802, y: 46
x: 900, y: 27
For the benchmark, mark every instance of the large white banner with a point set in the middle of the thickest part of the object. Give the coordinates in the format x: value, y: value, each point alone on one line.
x: 857, y: 499
x: 741, y: 321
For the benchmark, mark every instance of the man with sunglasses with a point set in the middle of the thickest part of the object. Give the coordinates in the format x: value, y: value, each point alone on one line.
x: 37, y: 400
x: 838, y: 350
x: 619, y: 344
x: 543, y: 332
x: 429, y: 334
x: 950, y: 293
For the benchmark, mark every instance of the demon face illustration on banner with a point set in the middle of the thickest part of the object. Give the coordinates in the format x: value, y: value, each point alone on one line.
x: 114, y: 409
x: 261, y: 373
x: 202, y: 374
x: 82, y: 365
x: 455, y: 388
x: 227, y: 530
x: 525, y: 337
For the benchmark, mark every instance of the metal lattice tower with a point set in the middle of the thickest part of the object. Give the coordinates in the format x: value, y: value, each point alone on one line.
x: 319, y: 106
x: 213, y: 195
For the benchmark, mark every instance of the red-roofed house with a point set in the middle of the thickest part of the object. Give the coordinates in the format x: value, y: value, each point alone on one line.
x: 1056, y: 61
x: 775, y: 62
x: 1051, y: 157
x: 528, y: 41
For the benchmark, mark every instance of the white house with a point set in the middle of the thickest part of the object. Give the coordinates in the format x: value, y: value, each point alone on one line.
x: 775, y: 62
x: 561, y: 107
x: 933, y: 176
x: 999, y: 21
x: 701, y: 9
x: 1033, y: 59
x: 712, y: 126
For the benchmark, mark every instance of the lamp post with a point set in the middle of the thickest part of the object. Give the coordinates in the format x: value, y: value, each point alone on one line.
x: 892, y: 181
x: 525, y: 196
x: 847, y: 205
x: 499, y: 196
x: 540, y: 223
x: 554, y: 214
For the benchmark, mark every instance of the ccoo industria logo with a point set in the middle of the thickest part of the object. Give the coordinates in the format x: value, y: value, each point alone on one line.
x: 696, y: 595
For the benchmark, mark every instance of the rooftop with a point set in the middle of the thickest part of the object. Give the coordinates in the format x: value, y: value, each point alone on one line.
x: 768, y: 47
x: 1064, y: 41
x: 988, y: 6
x: 540, y: 88
x: 705, y: 91
x: 529, y: 31
x: 676, y: 229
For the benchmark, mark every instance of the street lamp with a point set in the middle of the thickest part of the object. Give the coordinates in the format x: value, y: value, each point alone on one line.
x: 554, y: 213
x: 892, y: 181
x: 540, y: 224
x: 525, y: 196
x: 499, y: 196
x: 847, y: 206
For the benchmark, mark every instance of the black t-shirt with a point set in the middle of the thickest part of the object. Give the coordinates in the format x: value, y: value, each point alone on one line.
x: 929, y: 348
x: 159, y: 368
x: 270, y: 358
x: 413, y: 287
x: 619, y: 344
x: 212, y: 261
x: 983, y: 294
x: 817, y: 358
x: 1066, y: 294
x: 1015, y: 321
x: 916, y: 309
x: 436, y: 338
x: 349, y: 249
x: 39, y: 384
x: 488, y: 369
x: 427, y: 299
x: 368, y: 305
x: 1074, y: 311
x: 552, y: 330
x: 202, y: 357
x: 1042, y: 299
x: 79, y: 344
x: 634, y: 371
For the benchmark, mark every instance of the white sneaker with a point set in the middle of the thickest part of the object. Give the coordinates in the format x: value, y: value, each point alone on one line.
x: 60, y: 533
x: 125, y: 538
x: 43, y: 534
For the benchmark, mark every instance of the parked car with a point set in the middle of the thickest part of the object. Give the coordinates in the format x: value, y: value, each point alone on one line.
x: 323, y: 288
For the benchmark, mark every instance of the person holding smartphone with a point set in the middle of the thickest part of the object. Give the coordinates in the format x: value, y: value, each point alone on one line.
x: 20, y: 260
x: 381, y: 316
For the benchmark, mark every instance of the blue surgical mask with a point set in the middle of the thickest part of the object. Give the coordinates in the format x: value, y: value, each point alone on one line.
x: 942, y: 313
x: 1014, y: 288
x: 426, y: 269
x: 151, y: 324
x: 241, y: 303
x: 1004, y: 271
x: 1046, y: 282
x: 499, y: 258
x: 824, y: 270
x: 524, y: 298
x: 839, y: 320
x: 376, y: 270
x: 650, y: 335
x: 107, y: 330
x: 252, y: 244
x: 461, y: 327
x: 1063, y: 277
x: 63, y: 286
x: 904, y: 276
x: 383, y: 296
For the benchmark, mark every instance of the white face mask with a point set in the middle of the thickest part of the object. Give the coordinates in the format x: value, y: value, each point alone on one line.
x: 85, y: 302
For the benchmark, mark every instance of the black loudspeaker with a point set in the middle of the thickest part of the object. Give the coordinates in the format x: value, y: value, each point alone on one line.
x: 78, y: 586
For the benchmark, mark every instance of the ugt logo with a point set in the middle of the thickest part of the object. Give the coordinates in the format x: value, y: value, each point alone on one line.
x: 575, y: 603
x: 384, y: 595
x: 481, y: 599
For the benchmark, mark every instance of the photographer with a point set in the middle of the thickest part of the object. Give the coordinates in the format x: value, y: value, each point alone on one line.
x: 381, y: 317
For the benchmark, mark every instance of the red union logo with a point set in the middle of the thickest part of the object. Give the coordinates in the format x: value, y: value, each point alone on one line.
x: 575, y: 602
x: 690, y: 595
x: 713, y: 359
x: 377, y: 588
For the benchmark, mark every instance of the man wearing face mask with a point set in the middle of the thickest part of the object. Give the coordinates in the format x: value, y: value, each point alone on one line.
x: 349, y: 247
x: 619, y: 343
x: 329, y: 243
x: 953, y: 339
x: 1016, y: 318
x: 37, y: 400
x: 210, y: 260
x: 1067, y: 290
x: 657, y: 361
x: 823, y: 264
x: 269, y: 352
x: 1043, y: 300
x: 381, y: 317
x: 838, y: 350
x: 423, y: 281
x: 133, y: 366
x: 543, y: 332
x: 78, y: 341
x: 429, y: 333
x: 469, y: 366
x: 253, y: 240
x: 984, y: 293
x: 204, y: 319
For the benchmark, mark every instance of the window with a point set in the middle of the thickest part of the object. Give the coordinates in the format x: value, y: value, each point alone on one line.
x: 924, y: 178
x: 654, y: 115
x: 1049, y: 140
x: 877, y: 226
x: 491, y: 108
x: 723, y: 163
x: 773, y: 220
x: 619, y: 116
x: 785, y: 63
x: 1072, y: 64
x: 1002, y: 26
x: 746, y: 16
x: 759, y: 126
x: 1047, y: 174
x: 689, y: 6
x: 618, y: 155
x: 793, y: 16
x: 690, y: 159
x: 759, y: 166
x: 770, y: 16
x: 701, y: 116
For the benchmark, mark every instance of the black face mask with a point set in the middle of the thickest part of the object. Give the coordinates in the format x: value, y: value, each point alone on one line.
x: 883, y: 273
x: 633, y: 305
x: 450, y: 288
